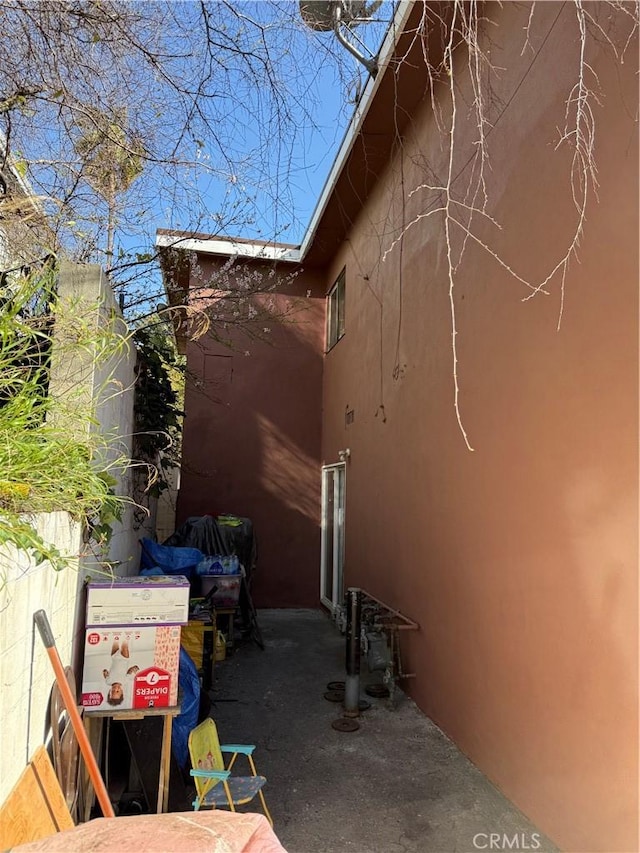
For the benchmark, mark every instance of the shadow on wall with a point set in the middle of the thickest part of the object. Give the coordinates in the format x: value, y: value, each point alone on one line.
x: 252, y: 437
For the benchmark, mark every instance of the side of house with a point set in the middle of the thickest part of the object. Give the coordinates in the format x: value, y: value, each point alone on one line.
x: 518, y: 557
x: 519, y: 560
x: 251, y: 438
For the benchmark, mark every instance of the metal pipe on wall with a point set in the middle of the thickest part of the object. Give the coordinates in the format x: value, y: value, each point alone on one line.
x: 352, y: 683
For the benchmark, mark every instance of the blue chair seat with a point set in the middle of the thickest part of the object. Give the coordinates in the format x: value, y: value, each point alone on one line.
x: 215, y: 783
x: 243, y: 789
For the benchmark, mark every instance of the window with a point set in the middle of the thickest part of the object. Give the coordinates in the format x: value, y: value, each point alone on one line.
x: 335, y: 312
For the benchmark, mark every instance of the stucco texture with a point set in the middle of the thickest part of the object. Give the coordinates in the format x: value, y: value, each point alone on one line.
x: 519, y: 559
x: 252, y: 436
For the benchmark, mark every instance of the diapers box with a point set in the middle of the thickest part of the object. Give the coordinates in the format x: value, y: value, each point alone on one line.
x: 131, y: 667
x: 153, y: 600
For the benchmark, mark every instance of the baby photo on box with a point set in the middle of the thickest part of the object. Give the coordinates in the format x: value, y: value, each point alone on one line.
x: 127, y: 668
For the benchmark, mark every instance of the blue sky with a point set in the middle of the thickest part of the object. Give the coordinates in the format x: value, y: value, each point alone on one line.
x: 272, y: 194
x: 238, y: 107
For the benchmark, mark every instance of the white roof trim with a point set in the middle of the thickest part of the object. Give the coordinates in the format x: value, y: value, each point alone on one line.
x: 274, y: 252
x: 397, y: 27
x: 230, y: 247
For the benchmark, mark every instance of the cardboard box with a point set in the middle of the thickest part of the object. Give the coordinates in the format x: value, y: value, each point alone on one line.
x: 133, y: 667
x: 154, y: 600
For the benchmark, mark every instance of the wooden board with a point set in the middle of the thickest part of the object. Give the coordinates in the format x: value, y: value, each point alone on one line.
x: 35, y: 807
x: 134, y: 713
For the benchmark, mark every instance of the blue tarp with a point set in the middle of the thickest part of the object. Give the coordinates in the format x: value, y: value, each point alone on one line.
x: 171, y: 559
x: 187, y: 719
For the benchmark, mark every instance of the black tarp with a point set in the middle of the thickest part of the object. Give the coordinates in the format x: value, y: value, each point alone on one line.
x: 214, y: 536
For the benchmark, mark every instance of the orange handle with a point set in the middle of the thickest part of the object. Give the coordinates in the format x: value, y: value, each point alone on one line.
x: 40, y: 618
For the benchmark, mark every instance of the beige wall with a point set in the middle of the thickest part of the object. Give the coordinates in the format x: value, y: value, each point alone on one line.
x: 520, y: 559
x: 100, y: 379
x: 26, y: 675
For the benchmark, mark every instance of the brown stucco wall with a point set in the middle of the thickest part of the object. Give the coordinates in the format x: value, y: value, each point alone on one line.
x: 252, y: 437
x: 519, y: 559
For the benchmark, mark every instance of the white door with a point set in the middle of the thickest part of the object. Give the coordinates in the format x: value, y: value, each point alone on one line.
x: 332, y: 542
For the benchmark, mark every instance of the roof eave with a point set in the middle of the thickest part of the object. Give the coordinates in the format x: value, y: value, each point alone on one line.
x: 385, y: 55
x: 228, y: 247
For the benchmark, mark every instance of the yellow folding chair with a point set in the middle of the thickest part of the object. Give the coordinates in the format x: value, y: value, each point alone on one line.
x: 215, y: 786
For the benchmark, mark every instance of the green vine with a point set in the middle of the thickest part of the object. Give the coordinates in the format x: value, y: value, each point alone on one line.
x: 158, y: 402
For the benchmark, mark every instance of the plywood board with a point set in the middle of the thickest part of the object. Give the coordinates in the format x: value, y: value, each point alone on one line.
x: 36, y: 807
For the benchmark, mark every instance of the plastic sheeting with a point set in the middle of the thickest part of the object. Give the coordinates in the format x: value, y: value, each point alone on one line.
x: 187, y: 719
x: 172, y: 560
x: 212, y: 536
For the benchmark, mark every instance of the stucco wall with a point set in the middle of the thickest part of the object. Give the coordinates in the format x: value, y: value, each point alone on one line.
x: 26, y: 675
x: 520, y: 559
x: 101, y: 380
x: 251, y: 442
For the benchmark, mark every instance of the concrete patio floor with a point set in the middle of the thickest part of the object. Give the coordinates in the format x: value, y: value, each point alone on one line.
x: 397, y: 785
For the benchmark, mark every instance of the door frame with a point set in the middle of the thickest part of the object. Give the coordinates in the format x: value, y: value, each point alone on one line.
x: 336, y: 547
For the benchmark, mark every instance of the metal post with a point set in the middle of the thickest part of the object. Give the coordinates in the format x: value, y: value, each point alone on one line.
x: 352, y: 683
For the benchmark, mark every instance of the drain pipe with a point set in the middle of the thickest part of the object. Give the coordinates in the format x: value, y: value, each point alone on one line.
x: 352, y: 683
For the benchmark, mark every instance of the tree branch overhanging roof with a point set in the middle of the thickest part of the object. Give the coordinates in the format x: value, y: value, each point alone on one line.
x: 382, y: 112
